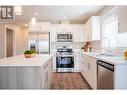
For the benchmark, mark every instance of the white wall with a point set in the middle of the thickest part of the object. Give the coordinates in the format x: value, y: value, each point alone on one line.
x: 2, y: 41
x: 20, y: 39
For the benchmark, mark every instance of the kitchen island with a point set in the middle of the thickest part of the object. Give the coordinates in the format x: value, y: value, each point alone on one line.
x: 18, y: 72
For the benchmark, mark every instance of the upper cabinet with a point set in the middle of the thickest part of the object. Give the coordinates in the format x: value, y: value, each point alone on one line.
x: 78, y: 32
x: 122, y: 18
x: 76, y: 29
x: 40, y: 27
x: 92, y: 29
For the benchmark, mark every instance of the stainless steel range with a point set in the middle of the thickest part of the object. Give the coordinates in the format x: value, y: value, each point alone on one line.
x: 65, y: 59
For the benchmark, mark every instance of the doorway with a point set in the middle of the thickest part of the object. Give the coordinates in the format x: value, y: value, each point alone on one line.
x: 9, y: 42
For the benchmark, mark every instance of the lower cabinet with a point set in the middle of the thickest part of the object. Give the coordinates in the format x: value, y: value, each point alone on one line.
x: 46, y: 76
x: 88, y: 69
x: 76, y: 61
x: 26, y: 77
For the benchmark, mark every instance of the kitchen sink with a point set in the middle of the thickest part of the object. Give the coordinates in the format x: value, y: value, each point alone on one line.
x: 103, y: 54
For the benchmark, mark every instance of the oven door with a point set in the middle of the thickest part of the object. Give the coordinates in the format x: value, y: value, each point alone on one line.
x: 64, y: 63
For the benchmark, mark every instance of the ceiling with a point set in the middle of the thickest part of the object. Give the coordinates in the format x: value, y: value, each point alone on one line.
x: 78, y: 14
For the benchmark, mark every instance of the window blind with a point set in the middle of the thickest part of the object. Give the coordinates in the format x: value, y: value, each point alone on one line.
x: 122, y: 39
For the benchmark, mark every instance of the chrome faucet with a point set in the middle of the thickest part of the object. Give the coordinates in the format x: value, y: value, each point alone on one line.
x: 104, y: 48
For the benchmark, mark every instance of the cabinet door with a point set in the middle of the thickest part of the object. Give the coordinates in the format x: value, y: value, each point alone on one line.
x: 33, y: 28
x: 88, y: 30
x: 78, y: 32
x: 92, y: 29
x: 122, y: 18
x: 53, y: 36
x: 86, y: 68
x: 82, y: 34
x: 76, y: 61
x: 95, y: 28
x: 43, y: 26
x: 49, y: 69
x: 92, y: 72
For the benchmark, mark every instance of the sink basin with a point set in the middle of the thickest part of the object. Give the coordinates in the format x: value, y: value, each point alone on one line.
x: 102, y: 54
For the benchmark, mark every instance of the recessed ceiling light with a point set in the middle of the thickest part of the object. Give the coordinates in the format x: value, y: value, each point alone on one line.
x: 81, y: 12
x: 18, y: 10
x: 65, y: 17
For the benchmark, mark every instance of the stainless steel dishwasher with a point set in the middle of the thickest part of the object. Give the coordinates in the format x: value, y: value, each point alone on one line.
x: 105, y: 75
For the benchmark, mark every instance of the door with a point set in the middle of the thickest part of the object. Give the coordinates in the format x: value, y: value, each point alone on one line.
x: 9, y: 42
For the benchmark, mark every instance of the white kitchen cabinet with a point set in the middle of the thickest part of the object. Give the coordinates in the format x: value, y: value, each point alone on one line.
x: 92, y: 67
x: 88, y: 69
x: 40, y: 27
x: 33, y: 28
x: 53, y: 33
x: 77, y: 57
x: 84, y: 67
x: 122, y: 18
x: 92, y: 29
x: 78, y: 31
x: 46, y: 72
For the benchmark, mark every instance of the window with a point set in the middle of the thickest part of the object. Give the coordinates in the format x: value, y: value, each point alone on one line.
x: 110, y: 30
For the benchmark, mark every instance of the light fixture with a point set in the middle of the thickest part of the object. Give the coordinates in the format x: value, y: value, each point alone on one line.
x: 81, y: 12
x: 18, y: 10
x: 33, y: 21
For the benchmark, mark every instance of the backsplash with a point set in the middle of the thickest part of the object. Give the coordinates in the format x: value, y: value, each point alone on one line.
x: 96, y: 45
x: 115, y: 51
x: 75, y: 45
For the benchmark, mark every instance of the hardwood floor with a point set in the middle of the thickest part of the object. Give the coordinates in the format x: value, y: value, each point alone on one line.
x: 69, y: 81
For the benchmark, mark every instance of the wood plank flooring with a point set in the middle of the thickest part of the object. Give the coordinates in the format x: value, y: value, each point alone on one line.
x: 69, y: 81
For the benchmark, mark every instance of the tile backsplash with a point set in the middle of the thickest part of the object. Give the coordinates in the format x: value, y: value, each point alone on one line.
x: 115, y: 51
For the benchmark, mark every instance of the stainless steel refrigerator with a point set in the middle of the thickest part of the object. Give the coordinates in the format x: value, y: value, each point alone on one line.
x: 40, y: 42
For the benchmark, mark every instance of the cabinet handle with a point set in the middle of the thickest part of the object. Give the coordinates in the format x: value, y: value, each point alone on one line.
x: 47, y: 75
x: 119, y: 27
x: 89, y: 66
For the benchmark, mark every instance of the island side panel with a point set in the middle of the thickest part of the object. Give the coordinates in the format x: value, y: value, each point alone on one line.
x: 28, y: 78
x: 8, y: 78
x: 20, y: 78
x: 120, y: 77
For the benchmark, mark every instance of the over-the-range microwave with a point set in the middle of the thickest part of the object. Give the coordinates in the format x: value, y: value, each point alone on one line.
x: 64, y: 37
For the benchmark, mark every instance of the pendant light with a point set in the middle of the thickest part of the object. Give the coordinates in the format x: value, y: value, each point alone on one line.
x: 18, y: 10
